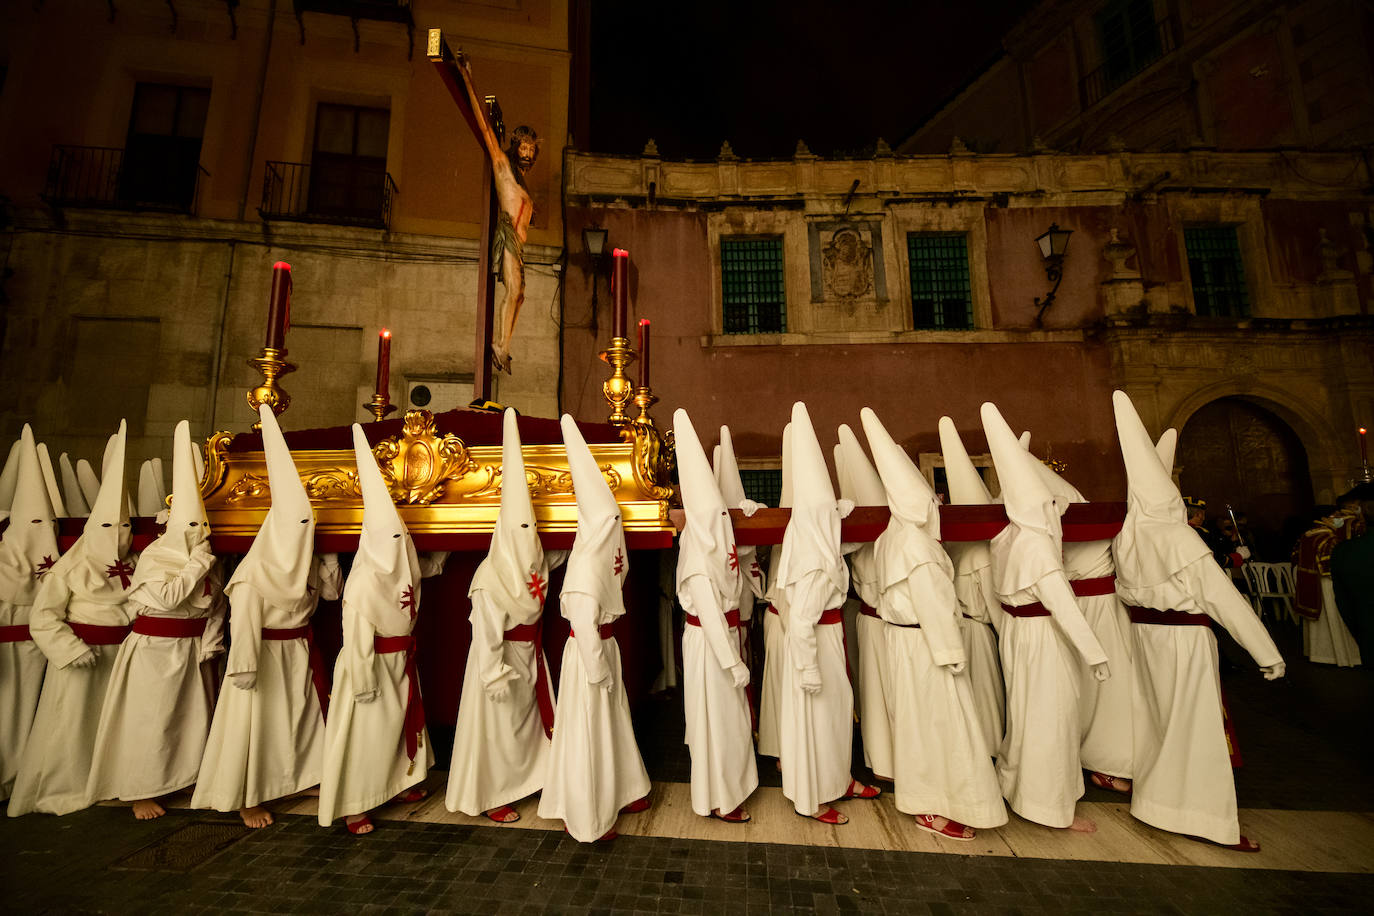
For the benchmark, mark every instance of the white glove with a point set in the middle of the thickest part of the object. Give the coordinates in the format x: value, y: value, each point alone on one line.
x: 367, y: 696
x: 846, y: 507
x: 1243, y: 551
x: 1101, y: 672
x: 740, y: 672
x: 246, y: 681
x: 85, y: 660
x: 607, y: 683
x: 499, y: 692
x: 1275, y: 671
x: 811, y: 680
x: 749, y: 507
x: 956, y: 668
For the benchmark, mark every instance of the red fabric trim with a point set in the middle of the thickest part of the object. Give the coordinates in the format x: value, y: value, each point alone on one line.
x: 95, y: 634
x: 1034, y: 609
x: 834, y: 615
x: 869, y: 611
x: 1091, y: 588
x: 16, y: 633
x: 170, y: 627
x: 773, y: 610
x: 731, y: 619
x: 543, y: 692
x: 318, y: 676
x: 604, y: 630
x: 1237, y: 560
x: 415, y: 707
x: 1170, y: 618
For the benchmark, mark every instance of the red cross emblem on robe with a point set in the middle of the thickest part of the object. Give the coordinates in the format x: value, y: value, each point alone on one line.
x: 619, y: 562
x: 47, y: 564
x: 536, y: 587
x: 734, y: 559
x: 408, y: 600
x: 121, y: 569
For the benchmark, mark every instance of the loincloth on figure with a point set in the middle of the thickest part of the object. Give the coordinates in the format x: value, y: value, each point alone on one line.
x: 506, y: 238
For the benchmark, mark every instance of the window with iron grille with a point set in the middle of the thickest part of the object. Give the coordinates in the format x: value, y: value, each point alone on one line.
x: 1216, y: 270
x: 1130, y: 38
x: 348, y: 162
x: 940, y: 296
x: 753, y: 298
x: 762, y: 485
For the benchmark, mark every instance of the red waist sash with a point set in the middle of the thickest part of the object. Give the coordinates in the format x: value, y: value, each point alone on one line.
x: 731, y: 619
x: 415, y: 707
x: 15, y: 633
x: 1034, y: 609
x: 96, y: 634
x: 869, y: 611
x: 1091, y: 588
x: 604, y: 631
x: 170, y: 627
x: 834, y: 615
x: 317, y: 672
x: 772, y: 609
x: 1151, y: 615
x: 543, y: 693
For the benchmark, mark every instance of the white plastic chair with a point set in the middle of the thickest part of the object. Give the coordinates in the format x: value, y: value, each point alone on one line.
x: 1272, y: 582
x: 1254, y: 587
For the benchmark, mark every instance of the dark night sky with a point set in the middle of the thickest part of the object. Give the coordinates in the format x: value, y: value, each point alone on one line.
x: 765, y: 73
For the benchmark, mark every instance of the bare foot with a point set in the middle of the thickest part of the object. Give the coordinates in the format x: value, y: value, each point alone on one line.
x: 358, y: 824
x: 1083, y: 825
x: 828, y: 815
x: 146, y: 809
x: 256, y: 816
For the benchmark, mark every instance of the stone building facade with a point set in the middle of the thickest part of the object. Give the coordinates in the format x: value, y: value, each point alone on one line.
x: 156, y: 159
x: 848, y: 257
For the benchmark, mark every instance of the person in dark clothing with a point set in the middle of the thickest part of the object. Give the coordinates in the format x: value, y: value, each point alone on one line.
x: 1229, y: 553
x: 1352, y: 572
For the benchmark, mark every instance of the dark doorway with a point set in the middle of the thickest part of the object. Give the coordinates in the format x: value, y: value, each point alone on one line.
x: 348, y: 165
x: 1235, y: 452
x: 162, y: 154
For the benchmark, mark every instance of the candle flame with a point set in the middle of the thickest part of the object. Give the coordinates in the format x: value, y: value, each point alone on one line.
x: 643, y: 322
x: 386, y: 332
x: 1363, y: 430
x: 621, y: 253
x: 281, y: 265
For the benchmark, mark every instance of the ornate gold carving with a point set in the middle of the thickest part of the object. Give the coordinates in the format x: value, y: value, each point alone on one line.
x: 248, y: 487
x: 618, y: 387
x: 216, y: 448
x: 542, y: 481
x: 418, y: 464
x: 652, y: 462
x: 273, y: 365
x: 334, y: 484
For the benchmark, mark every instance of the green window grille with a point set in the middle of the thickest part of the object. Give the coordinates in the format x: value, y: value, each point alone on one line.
x: 1217, y: 272
x: 940, y: 296
x: 753, y: 299
x: 762, y: 485
x: 1130, y: 38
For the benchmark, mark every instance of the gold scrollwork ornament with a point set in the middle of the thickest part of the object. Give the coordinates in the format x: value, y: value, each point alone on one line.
x: 419, y: 463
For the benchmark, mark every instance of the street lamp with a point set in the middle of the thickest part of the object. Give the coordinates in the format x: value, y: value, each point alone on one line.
x: 1053, y: 243
x: 594, y: 240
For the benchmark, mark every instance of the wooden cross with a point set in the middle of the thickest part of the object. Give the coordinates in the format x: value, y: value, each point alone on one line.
x: 446, y: 63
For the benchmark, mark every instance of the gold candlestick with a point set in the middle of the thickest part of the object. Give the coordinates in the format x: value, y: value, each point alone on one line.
x: 273, y: 365
x: 379, y: 406
x: 644, y: 399
x: 618, y: 388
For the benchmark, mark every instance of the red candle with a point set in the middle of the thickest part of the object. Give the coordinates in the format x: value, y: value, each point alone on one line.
x: 1364, y: 446
x: 643, y: 353
x: 620, y: 291
x: 279, y: 308
x: 384, y: 364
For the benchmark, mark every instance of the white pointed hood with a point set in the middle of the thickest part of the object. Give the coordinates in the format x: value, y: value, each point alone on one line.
x: 90, y: 484
x: 912, y: 538
x: 186, y: 519
x: 1165, y: 448
x: 860, y: 484
x: 732, y: 491
x: 28, y: 547
x: 812, y: 540
x: 598, y: 562
x: 384, y: 583
x: 1030, y: 547
x: 50, y: 481
x: 97, y: 567
x: 8, y: 478
x: 72, y: 496
x: 1156, y: 540
x: 966, y: 486
x: 514, y: 573
x: 151, y: 498
x: 707, y: 545
x: 277, y: 565
x: 773, y: 593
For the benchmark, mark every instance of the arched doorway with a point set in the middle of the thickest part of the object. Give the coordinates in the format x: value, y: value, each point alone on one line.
x: 1235, y: 452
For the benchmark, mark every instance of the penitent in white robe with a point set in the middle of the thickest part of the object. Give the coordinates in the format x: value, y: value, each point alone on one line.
x: 774, y: 644
x: 1106, y: 705
x: 980, y: 615
x: 874, y: 680
x: 500, y: 749
x: 57, y: 761
x: 942, y: 762
x: 816, y: 729
x: 594, y: 765
x: 1327, y: 640
x: 21, y: 680
x: 719, y: 730
x: 1038, y: 763
x: 161, y: 693
x: 267, y: 741
x: 1183, y: 779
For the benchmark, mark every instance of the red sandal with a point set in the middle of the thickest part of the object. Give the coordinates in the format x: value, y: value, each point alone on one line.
x: 636, y: 806
x: 361, y: 827
x: 410, y: 796
x: 828, y: 816
x: 864, y: 791
x: 1104, y: 781
x: 604, y: 838
x: 953, y: 830
x: 502, y: 815
x: 1245, y: 845
x: 738, y: 816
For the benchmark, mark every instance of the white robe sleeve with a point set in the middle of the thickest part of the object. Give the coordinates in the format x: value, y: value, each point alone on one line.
x: 581, y: 610
x: 331, y: 577
x: 937, y: 610
x: 245, y: 631
x: 806, y: 604
x: 171, y: 591
x: 431, y: 564
x: 706, y: 608
x: 1218, y: 597
x: 48, y: 623
x: 555, y: 558
x: 1056, y: 595
x: 212, y: 640
x: 359, y: 653
x: 488, y: 639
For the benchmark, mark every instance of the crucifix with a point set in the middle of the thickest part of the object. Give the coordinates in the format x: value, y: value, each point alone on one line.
x: 507, y: 209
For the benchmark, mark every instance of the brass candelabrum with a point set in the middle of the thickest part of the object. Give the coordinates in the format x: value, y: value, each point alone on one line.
x: 644, y: 399
x: 379, y: 407
x: 273, y: 365
x: 618, y: 388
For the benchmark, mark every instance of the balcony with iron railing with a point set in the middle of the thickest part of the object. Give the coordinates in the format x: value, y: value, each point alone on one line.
x: 340, y: 190
x: 1121, y: 67
x: 114, y: 178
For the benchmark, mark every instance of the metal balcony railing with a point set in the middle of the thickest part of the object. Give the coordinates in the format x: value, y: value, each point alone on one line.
x: 385, y: 10
x: 1116, y: 72
x: 342, y: 192
x: 115, y: 178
